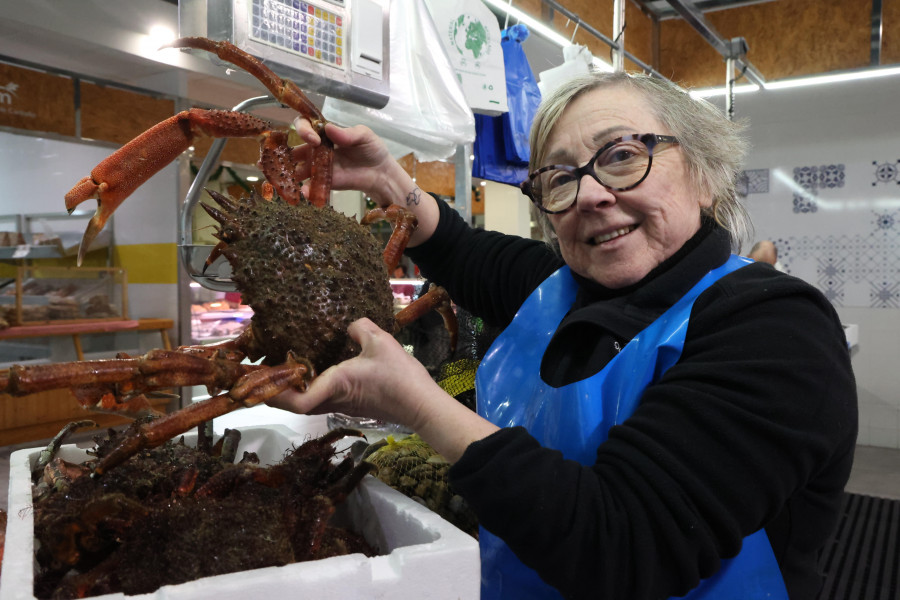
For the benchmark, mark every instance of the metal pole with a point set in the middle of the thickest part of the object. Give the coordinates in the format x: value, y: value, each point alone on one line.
x: 619, y: 31
x: 463, y: 164
x: 729, y: 88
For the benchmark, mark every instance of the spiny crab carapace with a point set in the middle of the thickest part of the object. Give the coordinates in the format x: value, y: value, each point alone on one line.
x: 306, y: 270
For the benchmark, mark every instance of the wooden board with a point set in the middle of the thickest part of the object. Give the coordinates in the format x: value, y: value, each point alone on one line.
x: 435, y: 177
x: 116, y: 115
x: 36, y: 101
x: 786, y: 39
x: 41, y: 416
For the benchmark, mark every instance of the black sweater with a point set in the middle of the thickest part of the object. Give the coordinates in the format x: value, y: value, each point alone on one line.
x: 754, y: 426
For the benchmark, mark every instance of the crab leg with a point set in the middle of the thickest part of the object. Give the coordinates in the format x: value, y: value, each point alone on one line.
x: 436, y: 298
x: 118, y: 385
x: 121, y: 173
x: 288, y: 93
x: 404, y: 223
x: 255, y: 387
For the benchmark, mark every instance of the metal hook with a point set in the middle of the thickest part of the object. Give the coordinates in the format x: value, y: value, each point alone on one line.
x: 574, y: 31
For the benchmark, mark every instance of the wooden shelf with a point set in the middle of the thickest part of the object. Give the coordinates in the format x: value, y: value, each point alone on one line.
x: 89, y: 327
x: 42, y: 415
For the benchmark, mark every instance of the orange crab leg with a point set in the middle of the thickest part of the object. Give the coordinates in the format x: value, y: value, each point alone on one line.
x: 117, y: 176
x: 255, y: 387
x: 404, y: 223
x: 285, y: 91
x: 436, y: 298
x: 288, y: 93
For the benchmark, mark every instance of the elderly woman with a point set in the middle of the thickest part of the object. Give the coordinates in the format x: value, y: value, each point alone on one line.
x: 660, y: 417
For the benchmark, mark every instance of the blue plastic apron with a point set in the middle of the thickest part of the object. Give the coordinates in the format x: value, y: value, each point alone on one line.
x: 575, y: 419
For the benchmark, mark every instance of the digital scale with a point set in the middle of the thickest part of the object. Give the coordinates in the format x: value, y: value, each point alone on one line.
x: 337, y: 48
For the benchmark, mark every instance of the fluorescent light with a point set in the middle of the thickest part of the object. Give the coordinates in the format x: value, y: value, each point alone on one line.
x: 738, y: 89
x: 833, y: 78
x: 537, y: 27
x: 252, y: 178
x: 161, y: 34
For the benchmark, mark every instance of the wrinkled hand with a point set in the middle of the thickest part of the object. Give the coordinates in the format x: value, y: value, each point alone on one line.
x: 382, y: 382
x: 361, y: 159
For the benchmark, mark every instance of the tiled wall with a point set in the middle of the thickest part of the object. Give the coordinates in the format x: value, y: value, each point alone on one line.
x: 823, y: 182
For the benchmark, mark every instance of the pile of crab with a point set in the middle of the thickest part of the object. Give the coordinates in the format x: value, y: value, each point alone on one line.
x: 177, y: 513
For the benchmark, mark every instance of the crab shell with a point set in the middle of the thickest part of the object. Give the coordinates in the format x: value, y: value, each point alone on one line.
x: 307, y: 273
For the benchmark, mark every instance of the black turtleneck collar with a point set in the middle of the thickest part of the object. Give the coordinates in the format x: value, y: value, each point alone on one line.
x: 602, y: 320
x: 594, y: 291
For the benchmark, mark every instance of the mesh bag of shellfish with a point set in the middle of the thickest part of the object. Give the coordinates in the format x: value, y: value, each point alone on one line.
x: 414, y: 468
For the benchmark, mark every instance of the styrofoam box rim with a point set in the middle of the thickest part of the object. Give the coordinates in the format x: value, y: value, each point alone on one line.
x: 429, y: 557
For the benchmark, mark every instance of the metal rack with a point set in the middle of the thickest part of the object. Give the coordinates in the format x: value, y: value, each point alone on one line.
x: 24, y: 224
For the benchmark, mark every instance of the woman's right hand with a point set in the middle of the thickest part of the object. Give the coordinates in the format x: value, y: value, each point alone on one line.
x: 362, y: 162
x: 361, y: 159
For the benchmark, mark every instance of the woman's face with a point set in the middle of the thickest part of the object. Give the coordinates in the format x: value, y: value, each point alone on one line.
x: 617, y: 238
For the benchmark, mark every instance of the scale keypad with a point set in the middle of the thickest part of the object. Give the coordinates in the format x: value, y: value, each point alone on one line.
x: 301, y: 28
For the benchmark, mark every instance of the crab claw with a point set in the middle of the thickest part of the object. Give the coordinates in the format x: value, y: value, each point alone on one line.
x: 106, y: 206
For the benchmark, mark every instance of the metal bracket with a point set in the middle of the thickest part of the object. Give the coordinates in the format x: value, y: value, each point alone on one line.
x: 193, y: 256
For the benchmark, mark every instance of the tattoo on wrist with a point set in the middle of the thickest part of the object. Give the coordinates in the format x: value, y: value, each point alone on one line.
x: 413, y: 197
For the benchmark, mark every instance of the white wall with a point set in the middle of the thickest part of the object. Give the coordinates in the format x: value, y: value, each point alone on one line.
x: 37, y: 172
x: 824, y: 182
x: 506, y: 209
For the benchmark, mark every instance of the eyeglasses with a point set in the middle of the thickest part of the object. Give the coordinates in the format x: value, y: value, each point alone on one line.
x: 620, y: 165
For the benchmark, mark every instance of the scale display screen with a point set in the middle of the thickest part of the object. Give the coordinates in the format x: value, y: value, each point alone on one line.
x: 315, y: 44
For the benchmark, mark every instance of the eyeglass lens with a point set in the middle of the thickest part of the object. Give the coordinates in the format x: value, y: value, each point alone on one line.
x: 619, y: 166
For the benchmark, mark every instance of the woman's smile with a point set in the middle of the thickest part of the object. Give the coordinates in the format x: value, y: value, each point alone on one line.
x: 617, y: 233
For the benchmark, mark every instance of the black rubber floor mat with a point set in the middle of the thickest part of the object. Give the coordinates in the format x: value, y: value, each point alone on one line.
x: 862, y: 561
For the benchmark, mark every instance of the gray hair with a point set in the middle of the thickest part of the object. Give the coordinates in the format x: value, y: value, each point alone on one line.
x: 714, y: 147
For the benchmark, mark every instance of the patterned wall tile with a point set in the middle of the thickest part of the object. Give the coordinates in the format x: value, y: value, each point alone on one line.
x: 886, y: 172
x: 754, y: 181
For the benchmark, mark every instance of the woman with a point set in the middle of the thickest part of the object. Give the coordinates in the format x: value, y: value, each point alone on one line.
x: 659, y: 417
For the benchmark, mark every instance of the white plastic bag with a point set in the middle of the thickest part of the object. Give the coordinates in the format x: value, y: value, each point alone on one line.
x: 427, y: 112
x: 576, y: 61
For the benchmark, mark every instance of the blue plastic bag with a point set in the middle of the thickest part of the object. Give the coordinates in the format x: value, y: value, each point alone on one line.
x: 501, y: 143
x: 490, y: 156
x: 522, y: 94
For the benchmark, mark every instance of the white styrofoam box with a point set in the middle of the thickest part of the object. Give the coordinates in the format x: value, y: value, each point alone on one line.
x: 421, y: 554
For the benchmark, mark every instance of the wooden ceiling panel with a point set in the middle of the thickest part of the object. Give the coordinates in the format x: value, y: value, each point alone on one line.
x: 890, y: 32
x: 801, y: 37
x: 786, y: 38
x: 688, y: 59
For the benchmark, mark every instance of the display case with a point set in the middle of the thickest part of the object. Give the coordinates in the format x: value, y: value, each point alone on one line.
x: 28, y: 237
x: 216, y: 316
x: 218, y: 319
x: 39, y: 295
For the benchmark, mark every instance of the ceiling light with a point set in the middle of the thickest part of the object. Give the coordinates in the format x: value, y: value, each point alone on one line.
x: 738, y: 89
x: 832, y: 78
x: 252, y: 178
x: 160, y: 34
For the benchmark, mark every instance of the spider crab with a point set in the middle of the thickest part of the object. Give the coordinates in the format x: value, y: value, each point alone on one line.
x: 305, y: 270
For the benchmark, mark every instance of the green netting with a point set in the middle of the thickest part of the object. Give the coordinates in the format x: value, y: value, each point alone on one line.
x: 415, y: 469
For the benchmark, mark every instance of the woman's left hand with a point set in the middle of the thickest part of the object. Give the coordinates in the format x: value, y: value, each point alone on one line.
x: 382, y: 382
x: 385, y: 382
